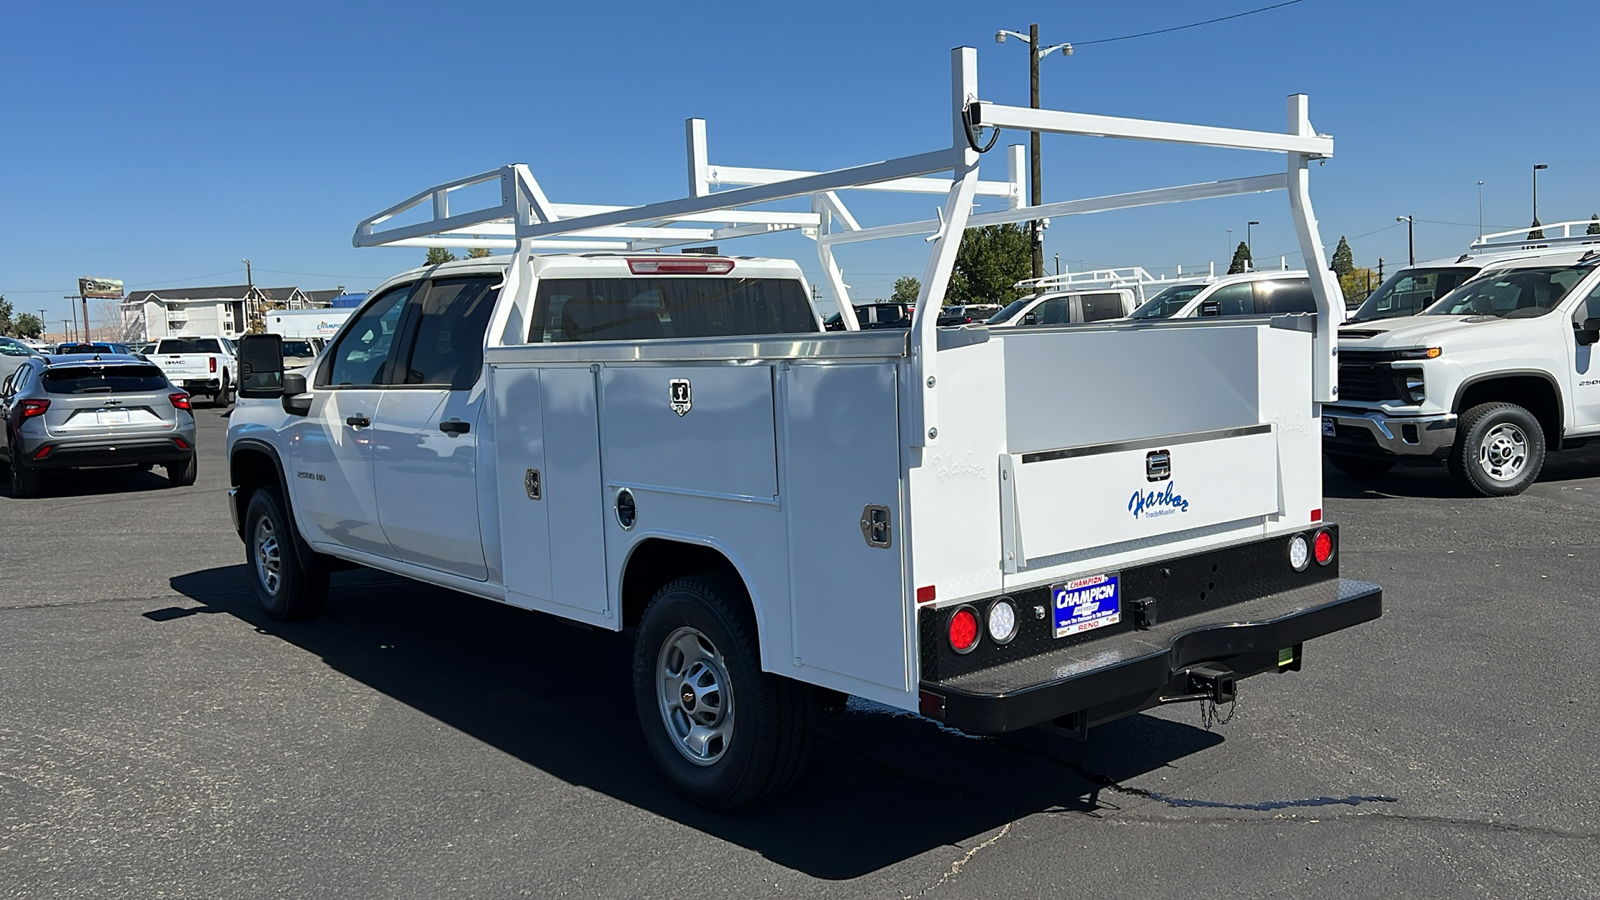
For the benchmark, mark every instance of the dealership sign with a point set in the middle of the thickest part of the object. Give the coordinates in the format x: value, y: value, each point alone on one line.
x: 100, y: 288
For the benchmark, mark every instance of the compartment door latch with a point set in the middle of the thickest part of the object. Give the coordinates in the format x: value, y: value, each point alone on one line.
x: 875, y: 526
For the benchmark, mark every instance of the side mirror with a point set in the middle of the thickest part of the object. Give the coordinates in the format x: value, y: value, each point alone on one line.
x: 1588, y: 333
x: 1030, y: 319
x: 296, y: 402
x: 1211, y: 308
x: 260, y: 365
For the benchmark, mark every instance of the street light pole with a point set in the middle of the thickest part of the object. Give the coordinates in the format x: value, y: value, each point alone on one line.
x: 1536, y: 169
x: 1036, y: 176
x: 1248, y: 243
x: 1411, y: 238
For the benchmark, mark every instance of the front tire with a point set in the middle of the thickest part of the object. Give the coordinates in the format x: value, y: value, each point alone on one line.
x: 1499, y: 451
x: 725, y: 734
x: 1360, y: 466
x: 287, y: 587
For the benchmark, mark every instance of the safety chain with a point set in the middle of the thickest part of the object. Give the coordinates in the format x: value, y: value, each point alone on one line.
x: 1210, y: 715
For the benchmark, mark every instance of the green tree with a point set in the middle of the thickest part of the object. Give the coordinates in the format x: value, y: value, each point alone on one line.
x: 5, y: 315
x: 1594, y: 224
x: 477, y: 253
x: 28, y: 325
x: 437, y: 255
x: 906, y: 289
x: 1344, y: 261
x: 1357, y: 284
x: 1241, y: 259
x: 990, y: 260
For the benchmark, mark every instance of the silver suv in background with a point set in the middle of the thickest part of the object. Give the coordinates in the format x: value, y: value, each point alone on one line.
x: 1243, y: 294
x: 76, y: 413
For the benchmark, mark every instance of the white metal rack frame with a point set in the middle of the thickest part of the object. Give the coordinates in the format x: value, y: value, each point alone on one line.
x: 1557, y: 234
x: 526, y: 220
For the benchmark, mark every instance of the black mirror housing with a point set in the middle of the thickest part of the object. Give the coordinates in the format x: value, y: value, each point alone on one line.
x: 1211, y: 308
x: 1588, y: 333
x: 296, y: 402
x: 261, y: 365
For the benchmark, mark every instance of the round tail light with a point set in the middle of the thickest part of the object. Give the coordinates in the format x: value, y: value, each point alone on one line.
x: 1322, y: 547
x: 964, y: 630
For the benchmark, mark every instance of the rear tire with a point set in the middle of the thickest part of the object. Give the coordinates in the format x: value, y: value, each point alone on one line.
x: 725, y: 734
x: 1360, y: 466
x: 1499, y: 451
x: 181, y: 474
x: 225, y: 396
x: 25, y: 482
x: 287, y: 586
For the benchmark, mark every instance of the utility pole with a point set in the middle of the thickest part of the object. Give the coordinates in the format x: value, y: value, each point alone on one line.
x: 1411, y: 238
x: 64, y: 335
x: 249, y: 299
x: 1036, y: 188
x: 1380, y: 270
x: 74, y: 311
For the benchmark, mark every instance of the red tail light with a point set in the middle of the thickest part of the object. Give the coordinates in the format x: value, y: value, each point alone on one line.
x: 182, y: 444
x: 964, y: 630
x: 180, y: 400
x: 668, y: 265
x: 43, y: 452
x: 31, y: 408
x: 1322, y: 547
x: 213, y: 361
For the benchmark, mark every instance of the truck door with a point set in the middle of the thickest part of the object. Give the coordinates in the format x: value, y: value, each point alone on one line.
x: 424, y: 436
x: 1583, y: 378
x: 331, y: 447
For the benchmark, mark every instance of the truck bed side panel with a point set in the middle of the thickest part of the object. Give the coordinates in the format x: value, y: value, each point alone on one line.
x: 841, y: 454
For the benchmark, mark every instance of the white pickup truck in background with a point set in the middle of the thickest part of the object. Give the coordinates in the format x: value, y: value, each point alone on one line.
x: 203, y: 365
x: 672, y: 444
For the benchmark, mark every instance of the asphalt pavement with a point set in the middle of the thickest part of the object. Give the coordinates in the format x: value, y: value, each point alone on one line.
x: 159, y: 737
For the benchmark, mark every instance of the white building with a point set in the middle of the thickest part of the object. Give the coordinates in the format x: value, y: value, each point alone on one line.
x: 201, y: 310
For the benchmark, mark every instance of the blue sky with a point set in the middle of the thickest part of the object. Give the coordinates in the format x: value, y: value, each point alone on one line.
x: 161, y: 143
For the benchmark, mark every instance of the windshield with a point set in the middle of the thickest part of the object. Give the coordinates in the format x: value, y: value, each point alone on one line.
x: 1409, y: 291
x: 1005, y: 315
x: 1168, y: 303
x: 1517, y: 294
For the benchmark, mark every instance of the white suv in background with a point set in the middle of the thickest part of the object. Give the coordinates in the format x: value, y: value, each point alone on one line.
x: 1243, y: 294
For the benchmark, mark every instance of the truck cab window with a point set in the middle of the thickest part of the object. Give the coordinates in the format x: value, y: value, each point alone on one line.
x: 1285, y: 297
x: 635, y: 309
x: 363, y: 350
x: 448, y: 348
x: 1098, y: 307
x: 1234, y: 300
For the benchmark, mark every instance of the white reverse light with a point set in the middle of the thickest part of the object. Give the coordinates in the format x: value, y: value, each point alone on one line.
x: 1002, y: 621
x: 1299, y: 553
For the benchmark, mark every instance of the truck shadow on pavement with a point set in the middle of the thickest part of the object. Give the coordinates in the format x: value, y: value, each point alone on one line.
x: 882, y: 786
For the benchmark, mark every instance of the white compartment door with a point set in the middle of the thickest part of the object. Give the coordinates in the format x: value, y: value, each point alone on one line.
x: 842, y: 455
x: 552, y: 539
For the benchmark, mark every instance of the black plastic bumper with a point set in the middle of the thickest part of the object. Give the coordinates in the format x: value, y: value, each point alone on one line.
x: 121, y: 453
x: 1135, y: 670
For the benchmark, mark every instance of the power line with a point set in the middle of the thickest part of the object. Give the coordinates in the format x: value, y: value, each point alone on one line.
x: 1129, y: 37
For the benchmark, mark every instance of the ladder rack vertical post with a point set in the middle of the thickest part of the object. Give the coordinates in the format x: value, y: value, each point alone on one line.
x: 1324, y: 363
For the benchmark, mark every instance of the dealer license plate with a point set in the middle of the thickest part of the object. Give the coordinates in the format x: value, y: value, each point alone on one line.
x: 113, y: 417
x: 1328, y: 428
x: 1085, y: 604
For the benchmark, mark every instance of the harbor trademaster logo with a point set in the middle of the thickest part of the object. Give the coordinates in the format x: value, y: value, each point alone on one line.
x: 1152, y: 503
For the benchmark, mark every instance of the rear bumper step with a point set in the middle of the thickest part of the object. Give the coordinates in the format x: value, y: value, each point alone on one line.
x: 1198, y: 657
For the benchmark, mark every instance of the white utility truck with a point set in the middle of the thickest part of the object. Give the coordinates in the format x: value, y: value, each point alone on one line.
x: 1487, y: 379
x: 203, y: 365
x: 927, y: 518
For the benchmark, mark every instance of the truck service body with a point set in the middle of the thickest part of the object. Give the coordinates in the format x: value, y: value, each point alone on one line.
x: 996, y: 528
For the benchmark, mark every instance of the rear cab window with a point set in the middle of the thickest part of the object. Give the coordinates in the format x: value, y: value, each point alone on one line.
x: 179, y: 346
x: 112, y: 379
x: 636, y: 309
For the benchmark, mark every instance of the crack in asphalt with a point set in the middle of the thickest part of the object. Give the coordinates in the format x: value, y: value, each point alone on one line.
x: 958, y: 865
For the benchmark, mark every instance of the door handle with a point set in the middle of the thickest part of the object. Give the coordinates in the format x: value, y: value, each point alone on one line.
x: 357, y: 421
x: 454, y: 426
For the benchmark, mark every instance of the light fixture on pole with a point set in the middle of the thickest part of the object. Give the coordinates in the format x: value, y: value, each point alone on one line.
x: 1036, y: 187
x: 1411, y: 239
